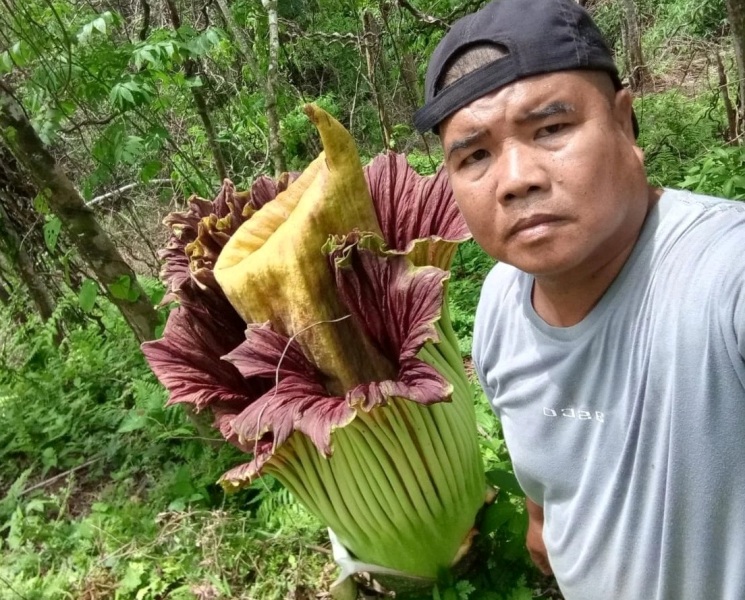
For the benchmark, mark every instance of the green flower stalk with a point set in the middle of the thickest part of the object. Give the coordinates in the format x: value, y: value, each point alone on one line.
x: 313, y: 324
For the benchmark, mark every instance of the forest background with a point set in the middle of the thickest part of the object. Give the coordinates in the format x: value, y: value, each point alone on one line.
x: 113, y: 113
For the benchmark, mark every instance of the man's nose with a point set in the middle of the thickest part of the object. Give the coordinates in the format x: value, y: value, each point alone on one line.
x: 520, y: 173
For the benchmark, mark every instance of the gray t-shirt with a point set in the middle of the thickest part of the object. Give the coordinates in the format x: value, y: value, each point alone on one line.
x: 629, y: 427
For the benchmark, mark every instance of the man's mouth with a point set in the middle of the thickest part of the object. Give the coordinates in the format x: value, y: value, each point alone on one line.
x: 535, y: 224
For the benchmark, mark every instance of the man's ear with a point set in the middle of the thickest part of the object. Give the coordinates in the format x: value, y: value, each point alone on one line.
x: 623, y: 105
x: 622, y: 111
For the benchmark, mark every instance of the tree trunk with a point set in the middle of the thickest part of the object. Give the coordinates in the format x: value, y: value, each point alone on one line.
x: 275, y: 148
x: 17, y: 314
x: 730, y: 133
x: 268, y: 83
x: 736, y: 16
x: 411, y: 80
x: 633, y: 43
x: 371, y: 41
x: 191, y: 70
x: 91, y: 240
x: 4, y: 295
x: 240, y: 38
x: 22, y: 238
x: 24, y: 265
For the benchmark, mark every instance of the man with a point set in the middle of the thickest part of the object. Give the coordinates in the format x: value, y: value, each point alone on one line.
x: 610, y: 337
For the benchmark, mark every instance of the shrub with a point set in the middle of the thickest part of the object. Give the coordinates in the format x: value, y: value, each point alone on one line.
x: 675, y: 131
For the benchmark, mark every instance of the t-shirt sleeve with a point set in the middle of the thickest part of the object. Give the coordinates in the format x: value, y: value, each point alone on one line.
x: 739, y: 312
x: 483, y: 327
x: 729, y: 290
x: 477, y: 351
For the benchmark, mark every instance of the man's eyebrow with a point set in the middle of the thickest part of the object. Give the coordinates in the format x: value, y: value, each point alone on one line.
x: 465, y: 142
x: 549, y: 110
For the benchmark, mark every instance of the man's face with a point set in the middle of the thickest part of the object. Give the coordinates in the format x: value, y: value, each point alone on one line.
x: 547, y: 173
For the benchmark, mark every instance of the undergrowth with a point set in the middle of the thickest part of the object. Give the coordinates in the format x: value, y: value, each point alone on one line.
x: 136, y: 512
x: 107, y: 493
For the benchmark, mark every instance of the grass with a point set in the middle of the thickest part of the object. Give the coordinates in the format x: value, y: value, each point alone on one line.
x: 105, y: 493
x: 143, y: 517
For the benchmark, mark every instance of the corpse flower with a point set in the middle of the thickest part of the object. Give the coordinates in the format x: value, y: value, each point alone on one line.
x: 313, y: 324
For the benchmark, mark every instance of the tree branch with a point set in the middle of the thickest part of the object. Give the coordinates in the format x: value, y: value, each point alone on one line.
x: 145, y: 20
x: 295, y: 31
x: 46, y: 482
x: 444, y: 22
x: 77, y: 126
x: 124, y: 188
x: 422, y: 17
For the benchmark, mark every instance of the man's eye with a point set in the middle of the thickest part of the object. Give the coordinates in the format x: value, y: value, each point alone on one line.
x: 476, y: 156
x: 550, y: 129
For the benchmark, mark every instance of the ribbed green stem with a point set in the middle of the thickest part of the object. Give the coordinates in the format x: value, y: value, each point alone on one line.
x: 392, y: 446
x: 435, y: 454
x: 462, y: 403
x: 414, y: 456
x: 286, y: 474
x: 333, y: 510
x: 461, y: 391
x: 445, y: 324
x: 331, y: 481
x: 404, y: 482
x: 358, y: 497
x: 447, y: 485
x: 363, y: 439
x: 368, y: 464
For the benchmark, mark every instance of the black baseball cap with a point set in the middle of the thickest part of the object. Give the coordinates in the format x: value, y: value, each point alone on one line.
x: 538, y: 36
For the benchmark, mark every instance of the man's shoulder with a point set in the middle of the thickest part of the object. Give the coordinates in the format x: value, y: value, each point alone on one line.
x: 501, y: 297
x: 702, y: 232
x: 700, y: 209
x: 500, y: 280
x: 501, y: 288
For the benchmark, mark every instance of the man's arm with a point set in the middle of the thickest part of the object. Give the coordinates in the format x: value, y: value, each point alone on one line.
x: 534, y: 538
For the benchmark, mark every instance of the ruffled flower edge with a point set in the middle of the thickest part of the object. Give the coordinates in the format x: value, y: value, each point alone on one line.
x: 394, y: 303
x: 261, y: 388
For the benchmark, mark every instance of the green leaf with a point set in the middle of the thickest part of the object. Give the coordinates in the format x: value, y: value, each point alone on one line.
x: 19, y: 54
x: 6, y: 62
x: 149, y: 56
x: 132, y: 578
x: 212, y: 36
x: 149, y: 170
x: 100, y: 24
x: 122, y: 289
x: 85, y: 33
x: 65, y: 260
x: 51, y: 232
x: 41, y: 204
x: 505, y: 481
x: 121, y: 94
x: 129, y: 150
x: 87, y: 295
x: 132, y: 422
x: 495, y: 516
x: 729, y: 186
x: 521, y: 592
x: 177, y: 505
x: 35, y: 505
x: 126, y: 94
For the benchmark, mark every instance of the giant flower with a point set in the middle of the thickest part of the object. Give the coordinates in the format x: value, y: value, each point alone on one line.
x: 312, y: 322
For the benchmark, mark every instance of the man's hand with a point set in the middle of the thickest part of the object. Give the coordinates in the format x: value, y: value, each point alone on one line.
x: 534, y: 538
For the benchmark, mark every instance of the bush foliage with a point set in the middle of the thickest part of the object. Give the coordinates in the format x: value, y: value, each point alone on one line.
x: 105, y: 492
